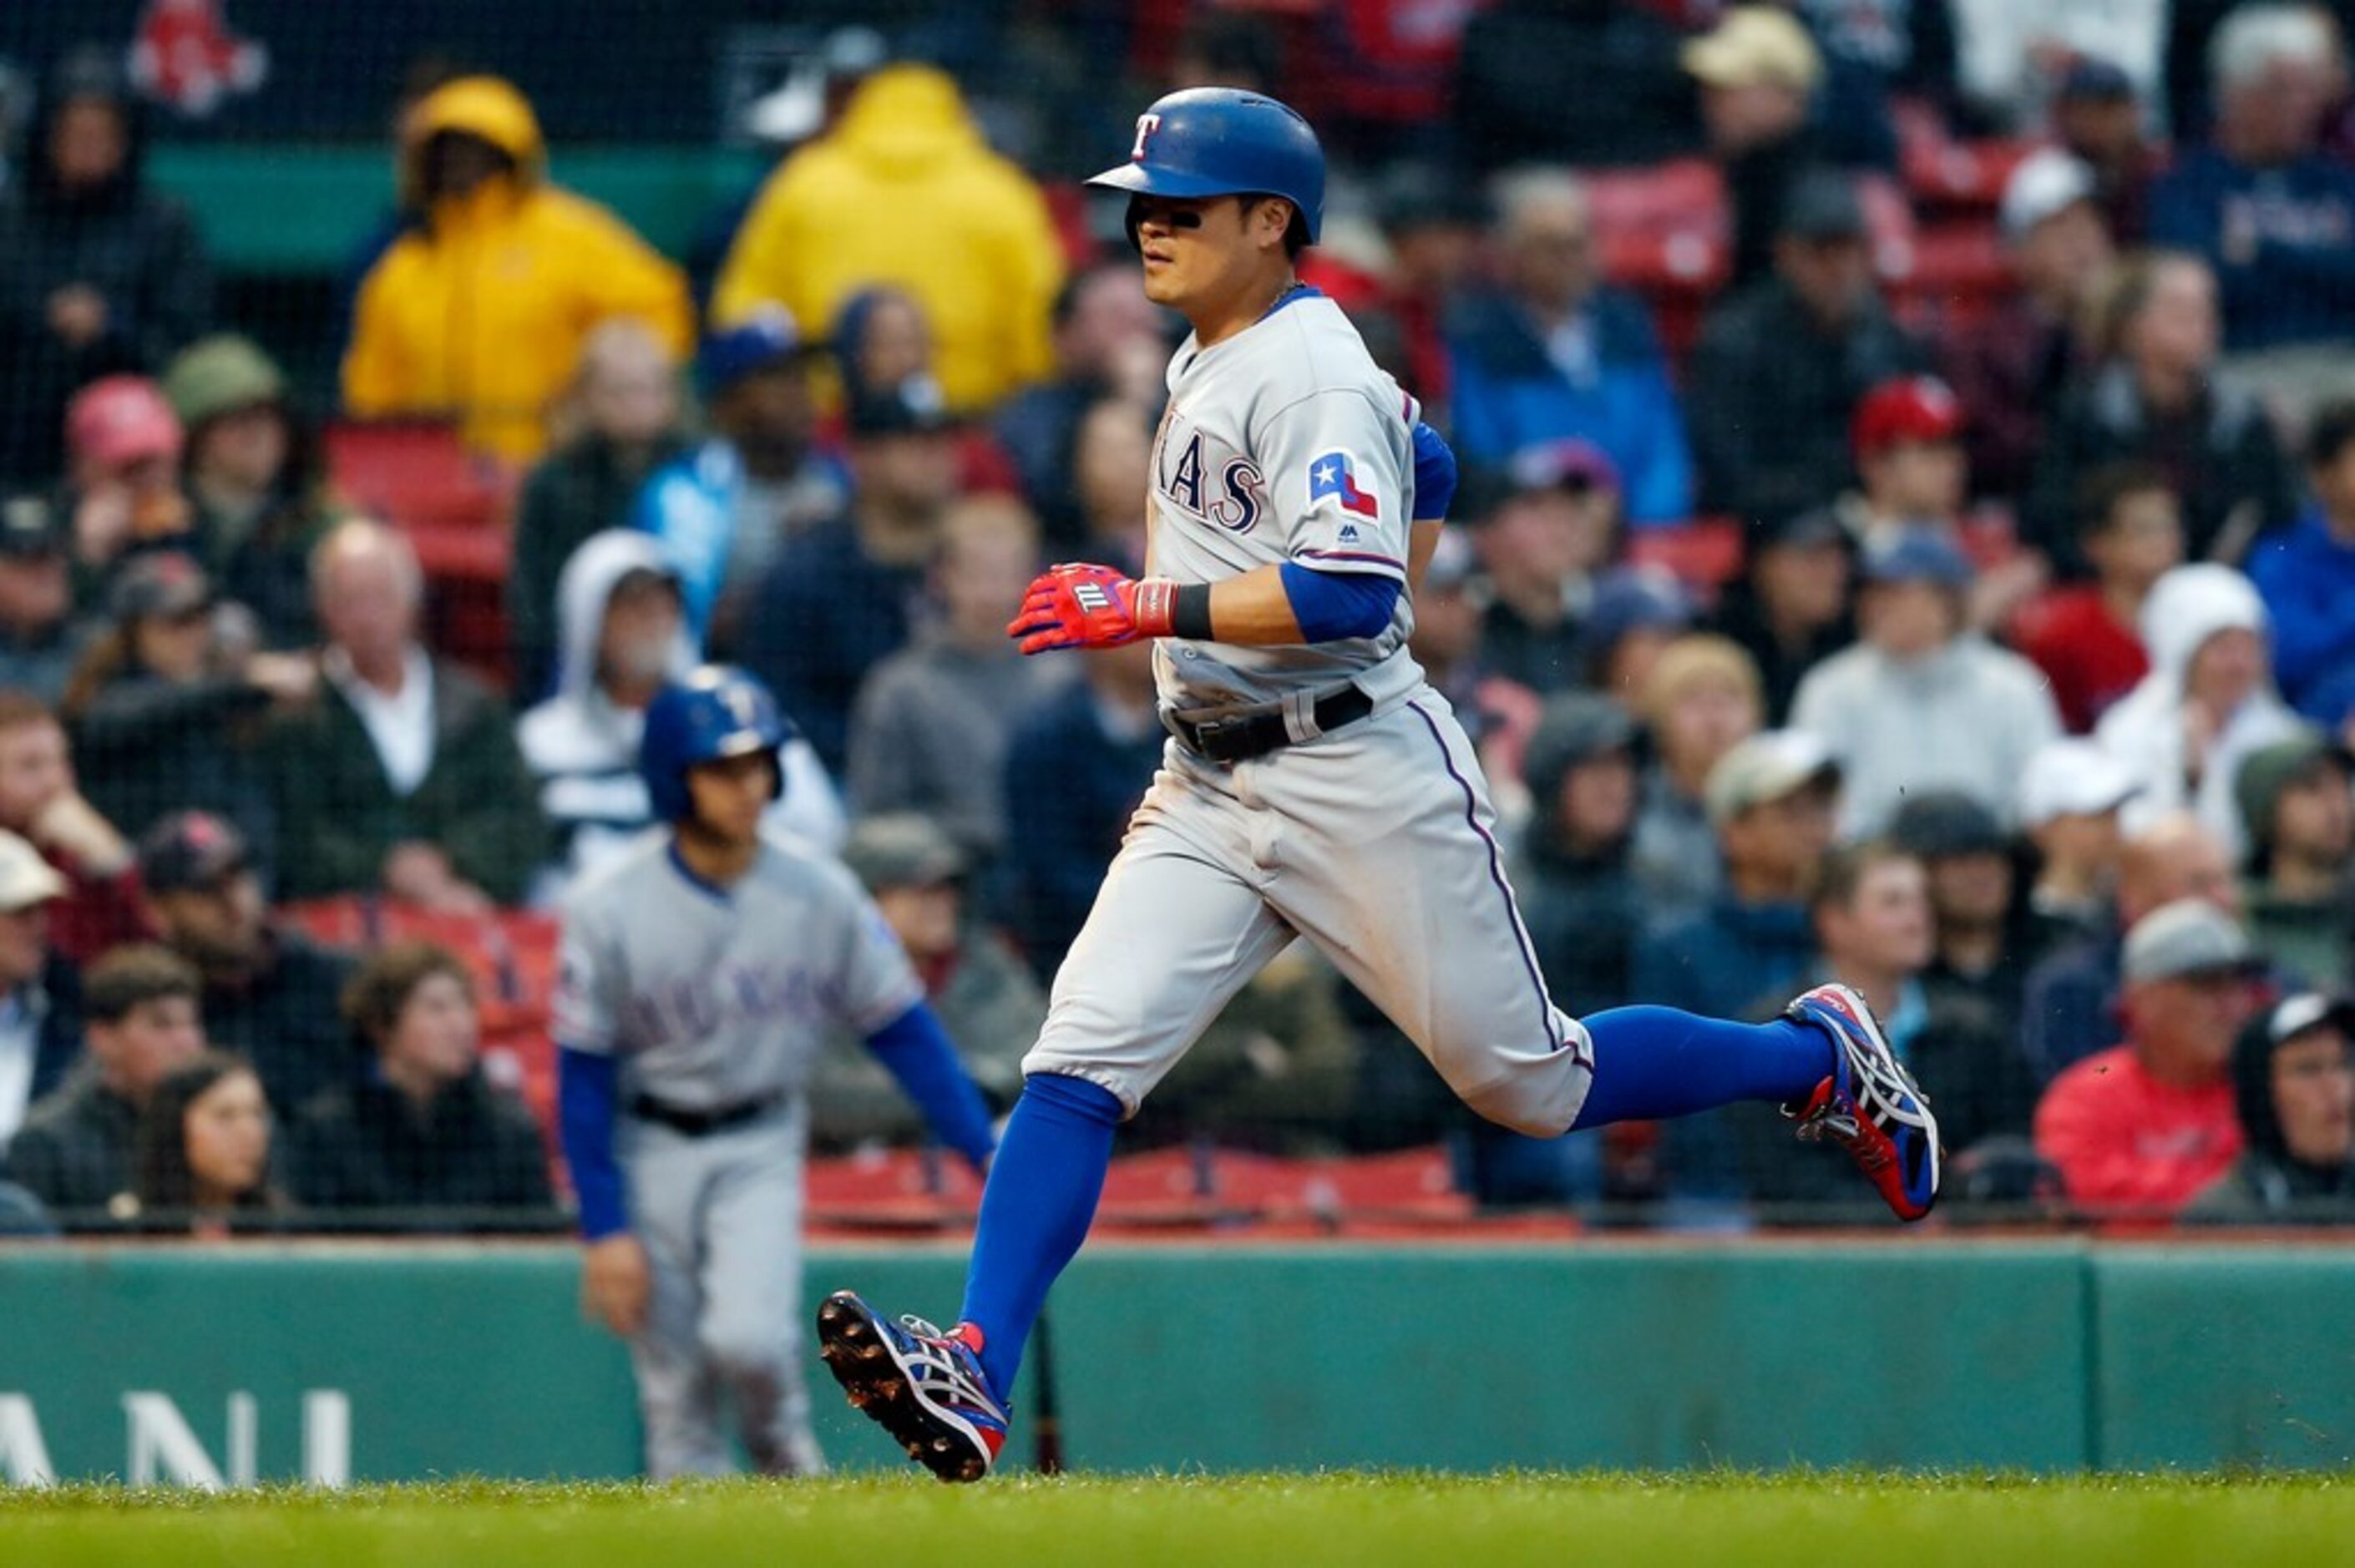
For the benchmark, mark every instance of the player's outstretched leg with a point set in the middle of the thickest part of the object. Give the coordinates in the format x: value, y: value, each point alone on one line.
x: 1653, y: 1063
x: 1870, y: 1105
x: 924, y: 1387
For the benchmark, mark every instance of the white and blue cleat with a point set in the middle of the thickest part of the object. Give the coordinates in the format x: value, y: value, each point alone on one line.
x: 922, y: 1386
x: 1870, y: 1105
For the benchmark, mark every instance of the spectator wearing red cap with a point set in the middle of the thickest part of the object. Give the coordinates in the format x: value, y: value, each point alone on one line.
x: 123, y: 450
x: 2086, y: 636
x: 100, y: 274
x: 41, y: 800
x: 2010, y: 369
x: 1907, y: 436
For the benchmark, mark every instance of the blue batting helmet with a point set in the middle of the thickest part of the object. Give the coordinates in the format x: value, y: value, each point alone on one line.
x: 712, y: 711
x: 1222, y: 141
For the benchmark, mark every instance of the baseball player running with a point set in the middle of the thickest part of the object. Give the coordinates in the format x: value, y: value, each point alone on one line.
x: 1314, y: 786
x: 701, y: 975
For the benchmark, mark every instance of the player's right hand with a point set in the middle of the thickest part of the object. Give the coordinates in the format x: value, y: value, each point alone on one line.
x: 1080, y: 606
x: 615, y: 1284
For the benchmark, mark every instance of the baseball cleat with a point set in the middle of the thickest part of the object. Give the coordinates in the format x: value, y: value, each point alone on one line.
x: 922, y: 1386
x: 1870, y: 1105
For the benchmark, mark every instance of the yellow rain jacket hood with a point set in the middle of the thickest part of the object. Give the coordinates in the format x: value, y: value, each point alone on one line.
x: 479, y: 310
x: 905, y: 191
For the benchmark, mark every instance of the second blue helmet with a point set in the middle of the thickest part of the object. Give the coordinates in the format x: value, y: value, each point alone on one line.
x: 1222, y: 140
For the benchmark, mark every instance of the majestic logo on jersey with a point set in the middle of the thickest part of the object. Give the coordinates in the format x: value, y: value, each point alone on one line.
x: 1147, y: 124
x: 1334, y: 477
x: 1235, y: 507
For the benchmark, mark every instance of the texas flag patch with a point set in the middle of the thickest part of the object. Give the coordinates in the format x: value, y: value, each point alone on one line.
x: 1334, y: 476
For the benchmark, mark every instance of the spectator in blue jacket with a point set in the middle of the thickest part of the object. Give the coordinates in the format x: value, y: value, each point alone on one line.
x: 725, y: 510
x: 1554, y: 353
x: 2306, y: 576
x: 2272, y: 216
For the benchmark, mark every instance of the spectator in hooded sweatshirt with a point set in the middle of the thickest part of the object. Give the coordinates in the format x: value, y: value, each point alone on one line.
x: 1919, y: 701
x: 480, y: 310
x: 2293, y: 1092
x: 2297, y: 797
x: 98, y: 273
x: 621, y: 635
x: 904, y: 190
x: 2207, y: 705
x: 2307, y: 577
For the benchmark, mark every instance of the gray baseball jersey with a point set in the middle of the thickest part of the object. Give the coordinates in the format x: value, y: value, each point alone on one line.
x: 712, y: 997
x: 1376, y: 841
x: 1284, y: 442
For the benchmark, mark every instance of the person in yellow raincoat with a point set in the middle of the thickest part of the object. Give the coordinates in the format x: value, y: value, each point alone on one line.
x: 905, y: 191
x: 480, y: 310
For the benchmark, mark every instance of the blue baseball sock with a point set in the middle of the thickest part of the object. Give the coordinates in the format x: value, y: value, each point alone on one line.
x: 1655, y: 1061
x: 1035, y: 1211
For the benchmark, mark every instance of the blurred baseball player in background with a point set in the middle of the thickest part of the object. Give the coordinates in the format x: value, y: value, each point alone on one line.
x: 1314, y: 785
x: 701, y: 975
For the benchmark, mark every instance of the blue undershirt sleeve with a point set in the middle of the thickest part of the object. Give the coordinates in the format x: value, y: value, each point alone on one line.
x: 1435, y: 476
x: 587, y: 1088
x: 916, y: 1050
x: 1331, y: 606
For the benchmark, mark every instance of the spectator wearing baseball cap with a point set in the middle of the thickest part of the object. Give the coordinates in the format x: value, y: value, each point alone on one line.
x: 2071, y: 795
x: 40, y: 990
x: 1637, y: 611
x: 2297, y: 798
x: 920, y: 880
x: 2207, y: 705
x: 1772, y: 800
x: 1543, y: 532
x: 2086, y: 635
x: 1790, y: 609
x: 1553, y: 353
x: 122, y: 480
x: 2139, y: 1129
x: 843, y: 600
x: 1920, y: 703
x: 1757, y: 71
x: 2098, y: 117
x: 2294, y: 1090
x: 1702, y: 700
x: 1979, y: 953
x: 621, y: 424
x: 257, y: 479
x: 1781, y: 363
x: 166, y: 707
x: 1907, y: 437
x: 2011, y: 366
x: 40, y: 635
x: 267, y: 993
x: 725, y: 510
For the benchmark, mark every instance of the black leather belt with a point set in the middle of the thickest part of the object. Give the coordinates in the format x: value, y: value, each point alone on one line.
x: 703, y: 1123
x: 1238, y: 738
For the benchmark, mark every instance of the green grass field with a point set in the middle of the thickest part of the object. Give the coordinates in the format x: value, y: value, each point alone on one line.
x: 1128, y: 1522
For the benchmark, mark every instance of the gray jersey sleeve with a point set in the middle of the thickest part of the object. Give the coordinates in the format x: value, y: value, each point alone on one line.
x: 586, y: 1012
x: 1343, y: 488
x: 876, y: 983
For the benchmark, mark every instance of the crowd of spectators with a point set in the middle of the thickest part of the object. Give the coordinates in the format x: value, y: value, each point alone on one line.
x: 1989, y: 649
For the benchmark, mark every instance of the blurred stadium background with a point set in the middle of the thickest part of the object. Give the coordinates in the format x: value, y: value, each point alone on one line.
x: 1909, y: 538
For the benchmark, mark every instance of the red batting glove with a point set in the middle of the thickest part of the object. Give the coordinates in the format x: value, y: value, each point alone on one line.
x: 1091, y: 607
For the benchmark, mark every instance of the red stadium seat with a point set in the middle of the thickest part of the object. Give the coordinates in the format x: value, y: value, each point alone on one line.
x: 1705, y: 553
x: 417, y: 473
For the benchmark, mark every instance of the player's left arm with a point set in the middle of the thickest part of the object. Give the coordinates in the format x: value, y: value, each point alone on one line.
x: 1282, y: 604
x: 915, y: 1049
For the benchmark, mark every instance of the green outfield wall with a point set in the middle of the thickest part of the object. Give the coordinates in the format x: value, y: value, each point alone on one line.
x: 343, y: 1361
